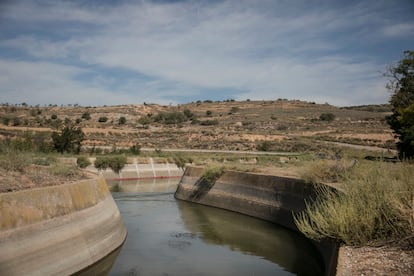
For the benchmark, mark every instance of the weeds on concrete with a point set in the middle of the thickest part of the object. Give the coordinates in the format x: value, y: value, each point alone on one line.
x: 376, y: 207
x: 211, y: 174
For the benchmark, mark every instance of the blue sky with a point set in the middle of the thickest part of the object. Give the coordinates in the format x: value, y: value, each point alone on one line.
x: 128, y: 52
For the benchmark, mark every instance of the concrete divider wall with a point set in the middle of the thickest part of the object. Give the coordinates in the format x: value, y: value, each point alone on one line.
x: 142, y: 168
x: 58, y: 230
x: 267, y: 197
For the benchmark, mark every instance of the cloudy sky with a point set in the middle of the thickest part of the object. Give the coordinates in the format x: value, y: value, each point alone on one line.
x: 97, y: 52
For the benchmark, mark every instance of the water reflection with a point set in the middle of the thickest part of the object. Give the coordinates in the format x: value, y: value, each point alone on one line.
x: 252, y: 236
x: 169, y: 237
x: 144, y: 185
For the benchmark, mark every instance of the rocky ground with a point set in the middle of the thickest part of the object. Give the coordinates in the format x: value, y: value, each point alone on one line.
x: 385, y: 260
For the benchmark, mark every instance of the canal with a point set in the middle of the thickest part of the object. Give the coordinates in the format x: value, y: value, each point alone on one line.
x: 171, y: 237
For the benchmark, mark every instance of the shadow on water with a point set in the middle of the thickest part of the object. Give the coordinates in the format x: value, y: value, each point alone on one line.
x: 252, y: 236
x: 170, y: 237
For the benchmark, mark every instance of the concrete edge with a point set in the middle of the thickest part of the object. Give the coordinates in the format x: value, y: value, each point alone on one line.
x: 268, y: 197
x: 63, y: 243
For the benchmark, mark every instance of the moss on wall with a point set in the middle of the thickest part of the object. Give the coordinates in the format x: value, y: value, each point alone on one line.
x: 30, y: 206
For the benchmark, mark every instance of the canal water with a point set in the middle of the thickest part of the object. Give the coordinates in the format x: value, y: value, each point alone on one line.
x: 171, y: 237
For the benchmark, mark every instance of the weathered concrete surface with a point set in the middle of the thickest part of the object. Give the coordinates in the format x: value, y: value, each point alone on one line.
x: 141, y: 168
x: 267, y: 197
x: 58, y: 230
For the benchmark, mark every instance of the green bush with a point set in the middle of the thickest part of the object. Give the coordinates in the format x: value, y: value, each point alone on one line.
x: 102, y: 119
x: 211, y: 174
x: 86, y: 116
x: 209, y: 122
x: 63, y: 170
x: 135, y: 149
x: 116, y: 163
x: 328, y: 117
x: 144, y: 120
x: 122, y: 120
x: 83, y: 162
x: 170, y: 118
x: 263, y: 146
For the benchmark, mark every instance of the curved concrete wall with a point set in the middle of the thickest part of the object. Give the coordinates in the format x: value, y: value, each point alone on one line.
x: 267, y: 197
x: 58, y: 230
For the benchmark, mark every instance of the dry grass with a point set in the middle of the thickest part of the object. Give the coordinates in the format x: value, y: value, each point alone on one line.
x: 376, y: 207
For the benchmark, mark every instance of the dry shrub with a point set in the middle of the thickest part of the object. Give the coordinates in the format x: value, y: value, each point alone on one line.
x: 331, y: 171
x: 375, y: 208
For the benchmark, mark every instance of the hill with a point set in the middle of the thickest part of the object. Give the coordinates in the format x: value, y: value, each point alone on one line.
x: 279, y: 125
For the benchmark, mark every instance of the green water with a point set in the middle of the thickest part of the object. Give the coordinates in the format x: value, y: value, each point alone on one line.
x: 170, y: 237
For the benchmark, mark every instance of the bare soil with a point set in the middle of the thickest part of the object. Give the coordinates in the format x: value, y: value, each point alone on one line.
x: 36, y: 176
x: 385, y: 261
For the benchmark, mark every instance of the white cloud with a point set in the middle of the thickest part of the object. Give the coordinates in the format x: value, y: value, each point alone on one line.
x: 267, y: 50
x: 399, y: 30
x: 48, y: 83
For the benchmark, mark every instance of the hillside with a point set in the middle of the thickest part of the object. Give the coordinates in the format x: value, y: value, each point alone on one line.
x: 279, y: 125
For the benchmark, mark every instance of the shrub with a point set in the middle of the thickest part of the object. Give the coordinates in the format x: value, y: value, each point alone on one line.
x: 63, y: 170
x: 375, y: 208
x: 86, y: 116
x: 328, y: 117
x: 211, y: 174
x: 16, y: 121
x: 144, y: 120
x: 122, y: 120
x: 135, y: 149
x: 264, y: 146
x: 209, y: 122
x: 116, y: 163
x: 170, y: 118
x: 102, y: 119
x: 83, y: 162
x: 190, y: 115
x: 5, y: 121
x: 13, y: 160
x: 234, y: 109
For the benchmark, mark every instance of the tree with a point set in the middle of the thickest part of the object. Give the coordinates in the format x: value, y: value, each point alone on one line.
x: 401, y: 85
x: 68, y: 140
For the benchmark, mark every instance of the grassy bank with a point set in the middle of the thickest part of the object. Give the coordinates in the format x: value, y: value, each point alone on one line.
x: 375, y: 207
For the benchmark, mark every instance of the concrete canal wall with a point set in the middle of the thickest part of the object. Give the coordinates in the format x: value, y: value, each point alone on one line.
x: 141, y: 168
x: 267, y: 197
x: 58, y: 230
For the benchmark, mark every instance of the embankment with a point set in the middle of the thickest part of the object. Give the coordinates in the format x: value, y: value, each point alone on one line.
x: 267, y: 197
x: 59, y: 230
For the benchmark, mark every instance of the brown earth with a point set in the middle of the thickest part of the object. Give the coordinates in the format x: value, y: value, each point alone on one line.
x: 35, y: 176
x: 231, y: 125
